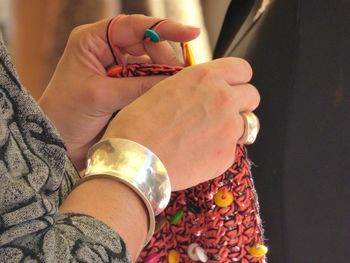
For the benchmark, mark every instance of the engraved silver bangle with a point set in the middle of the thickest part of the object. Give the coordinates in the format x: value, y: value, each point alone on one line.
x: 137, y: 167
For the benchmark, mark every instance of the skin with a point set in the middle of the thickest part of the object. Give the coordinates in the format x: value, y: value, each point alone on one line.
x: 195, y: 111
x: 81, y: 96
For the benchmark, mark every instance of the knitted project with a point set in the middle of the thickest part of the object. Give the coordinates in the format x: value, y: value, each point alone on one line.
x: 196, y: 216
x: 216, y: 221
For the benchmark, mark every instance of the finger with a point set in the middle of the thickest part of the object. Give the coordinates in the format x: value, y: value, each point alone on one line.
x: 232, y: 70
x: 128, y: 33
x: 245, y: 96
x: 139, y: 59
x: 162, y: 53
x: 241, y: 98
x: 129, y: 30
x: 116, y: 93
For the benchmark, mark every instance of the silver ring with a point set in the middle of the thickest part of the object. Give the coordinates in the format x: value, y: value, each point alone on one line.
x: 251, y: 128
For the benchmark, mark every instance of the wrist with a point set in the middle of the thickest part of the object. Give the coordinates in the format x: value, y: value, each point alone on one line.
x: 114, y: 204
x: 135, y: 166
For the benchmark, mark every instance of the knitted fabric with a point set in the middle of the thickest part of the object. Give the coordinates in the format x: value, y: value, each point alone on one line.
x: 226, y: 234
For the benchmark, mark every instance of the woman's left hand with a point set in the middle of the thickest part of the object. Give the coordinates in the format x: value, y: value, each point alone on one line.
x: 80, y: 98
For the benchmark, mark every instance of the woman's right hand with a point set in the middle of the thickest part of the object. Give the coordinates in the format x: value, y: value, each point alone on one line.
x: 191, y: 120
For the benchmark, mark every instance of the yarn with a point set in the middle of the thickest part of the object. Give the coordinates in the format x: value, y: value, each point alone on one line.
x: 219, y: 219
x: 227, y: 234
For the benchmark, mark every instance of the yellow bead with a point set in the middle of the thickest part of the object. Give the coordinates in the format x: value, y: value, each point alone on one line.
x: 258, y: 251
x: 222, y: 199
x: 173, y: 256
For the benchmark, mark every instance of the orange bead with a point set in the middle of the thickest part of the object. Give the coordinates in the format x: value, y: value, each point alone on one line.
x: 223, y: 198
x: 114, y: 71
x: 258, y: 251
x: 173, y: 256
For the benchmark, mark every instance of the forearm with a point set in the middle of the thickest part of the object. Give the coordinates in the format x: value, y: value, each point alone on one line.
x: 54, y: 237
x: 114, y: 204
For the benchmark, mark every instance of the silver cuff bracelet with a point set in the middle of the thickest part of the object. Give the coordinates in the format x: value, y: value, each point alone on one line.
x: 137, y: 167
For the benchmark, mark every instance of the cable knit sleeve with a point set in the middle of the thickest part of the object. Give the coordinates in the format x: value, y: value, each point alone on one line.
x: 35, y: 177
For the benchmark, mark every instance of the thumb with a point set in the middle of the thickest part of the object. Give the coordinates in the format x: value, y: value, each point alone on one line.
x: 116, y: 93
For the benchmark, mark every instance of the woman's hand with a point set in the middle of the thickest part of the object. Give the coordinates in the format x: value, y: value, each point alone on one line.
x: 192, y: 120
x: 80, y: 99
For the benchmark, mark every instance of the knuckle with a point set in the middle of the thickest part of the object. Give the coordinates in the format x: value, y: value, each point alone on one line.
x: 207, y: 74
x: 79, y: 36
x: 201, y: 70
x: 76, y: 32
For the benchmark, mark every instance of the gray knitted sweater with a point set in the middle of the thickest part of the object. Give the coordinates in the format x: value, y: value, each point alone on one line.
x: 35, y: 177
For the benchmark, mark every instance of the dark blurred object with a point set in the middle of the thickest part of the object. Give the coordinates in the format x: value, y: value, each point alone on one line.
x: 299, y: 54
x: 144, y: 7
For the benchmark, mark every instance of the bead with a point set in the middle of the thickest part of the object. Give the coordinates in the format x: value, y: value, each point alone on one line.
x: 258, y: 251
x: 191, y: 252
x: 222, y: 199
x: 173, y: 256
x: 177, y: 217
x: 201, y: 254
x: 196, y: 253
x: 114, y: 71
x: 154, y: 258
x: 236, y: 249
x: 152, y: 35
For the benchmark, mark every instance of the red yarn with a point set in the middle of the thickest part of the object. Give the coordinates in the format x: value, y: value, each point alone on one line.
x: 142, y: 69
x: 226, y: 234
